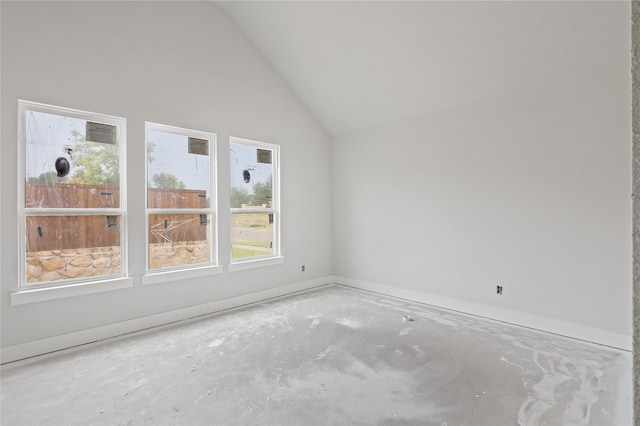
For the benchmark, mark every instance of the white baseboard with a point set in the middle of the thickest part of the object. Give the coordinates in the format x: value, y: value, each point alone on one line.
x: 549, y: 325
x: 69, y: 340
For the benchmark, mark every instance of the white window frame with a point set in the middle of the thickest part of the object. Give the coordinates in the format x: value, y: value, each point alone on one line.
x: 72, y: 286
x: 276, y: 257
x: 156, y: 276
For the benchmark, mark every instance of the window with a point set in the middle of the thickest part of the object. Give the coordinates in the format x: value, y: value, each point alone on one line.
x: 255, y: 208
x: 180, y: 198
x: 71, y: 196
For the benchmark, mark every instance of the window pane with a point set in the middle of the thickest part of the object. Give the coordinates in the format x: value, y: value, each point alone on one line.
x: 65, y: 247
x: 178, y: 239
x: 251, y: 235
x: 251, y: 176
x: 64, y: 169
x: 178, y: 171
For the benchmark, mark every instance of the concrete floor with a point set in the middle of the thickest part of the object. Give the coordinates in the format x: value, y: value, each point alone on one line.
x: 332, y: 356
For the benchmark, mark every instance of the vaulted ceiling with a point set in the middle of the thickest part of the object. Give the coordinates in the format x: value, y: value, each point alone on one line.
x: 358, y: 65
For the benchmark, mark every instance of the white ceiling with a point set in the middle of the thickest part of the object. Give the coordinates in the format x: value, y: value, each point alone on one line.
x: 358, y: 65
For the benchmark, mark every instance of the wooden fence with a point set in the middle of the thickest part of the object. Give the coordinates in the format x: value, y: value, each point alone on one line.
x: 71, y: 232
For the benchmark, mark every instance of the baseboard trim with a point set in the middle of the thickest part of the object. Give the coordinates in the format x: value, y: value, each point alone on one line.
x: 48, y: 345
x: 65, y: 341
x: 549, y: 325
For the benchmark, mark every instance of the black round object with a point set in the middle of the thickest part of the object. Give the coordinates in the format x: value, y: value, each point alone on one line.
x: 247, y: 176
x: 62, y: 166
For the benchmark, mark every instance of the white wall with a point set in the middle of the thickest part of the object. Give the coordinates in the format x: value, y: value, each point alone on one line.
x: 180, y: 63
x: 528, y: 190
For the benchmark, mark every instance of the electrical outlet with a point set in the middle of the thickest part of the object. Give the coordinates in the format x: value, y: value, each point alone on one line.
x: 499, y: 289
x: 303, y: 268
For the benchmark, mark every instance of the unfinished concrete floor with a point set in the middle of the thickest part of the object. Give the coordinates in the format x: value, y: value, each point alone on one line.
x: 333, y: 356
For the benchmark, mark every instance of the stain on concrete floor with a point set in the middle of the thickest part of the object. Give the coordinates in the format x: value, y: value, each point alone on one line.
x: 334, y: 356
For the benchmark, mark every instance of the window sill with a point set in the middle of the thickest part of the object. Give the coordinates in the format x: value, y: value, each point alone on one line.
x: 256, y: 263
x: 180, y: 274
x: 51, y: 293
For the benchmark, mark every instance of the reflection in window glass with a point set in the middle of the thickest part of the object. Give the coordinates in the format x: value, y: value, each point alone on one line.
x: 179, y: 198
x: 254, y: 215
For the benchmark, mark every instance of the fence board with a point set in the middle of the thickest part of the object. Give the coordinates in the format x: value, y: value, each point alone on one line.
x: 71, y: 232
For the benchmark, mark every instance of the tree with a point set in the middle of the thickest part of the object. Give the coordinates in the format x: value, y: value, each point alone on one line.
x: 239, y: 196
x: 263, y: 193
x: 166, y: 181
x: 94, y: 163
x: 151, y: 146
x: 45, y: 177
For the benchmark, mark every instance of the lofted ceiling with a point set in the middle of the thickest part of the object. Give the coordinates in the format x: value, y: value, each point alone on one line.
x: 358, y: 65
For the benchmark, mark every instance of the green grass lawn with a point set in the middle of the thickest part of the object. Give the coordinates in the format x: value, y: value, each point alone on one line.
x: 264, y: 244
x: 239, y: 253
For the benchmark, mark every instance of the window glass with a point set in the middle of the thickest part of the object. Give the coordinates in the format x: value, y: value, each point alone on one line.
x: 179, y: 239
x: 254, y: 214
x: 178, y: 171
x: 71, y: 218
x: 251, y: 176
x: 252, y: 235
x: 179, y: 197
x: 68, y: 247
x: 66, y: 170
